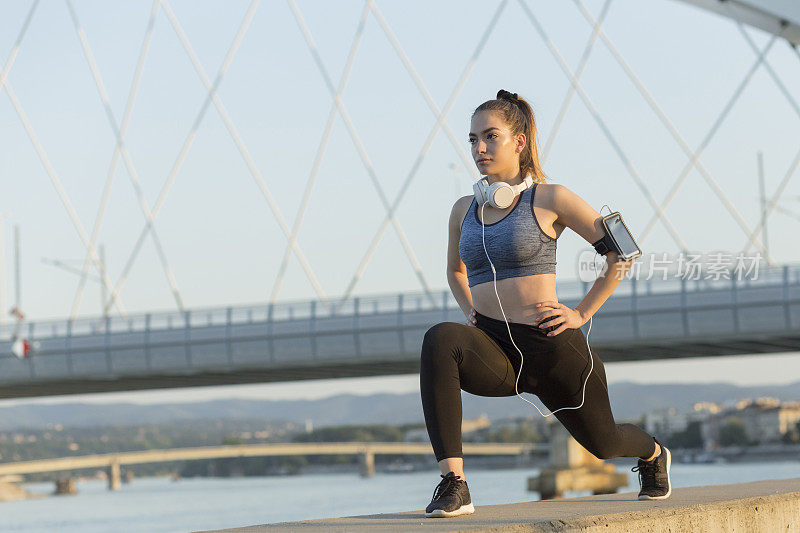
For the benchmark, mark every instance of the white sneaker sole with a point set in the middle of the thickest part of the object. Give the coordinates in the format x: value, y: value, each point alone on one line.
x: 669, y: 491
x: 441, y: 513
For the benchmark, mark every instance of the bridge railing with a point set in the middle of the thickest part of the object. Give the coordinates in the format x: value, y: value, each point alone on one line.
x: 285, y: 340
x: 368, y: 305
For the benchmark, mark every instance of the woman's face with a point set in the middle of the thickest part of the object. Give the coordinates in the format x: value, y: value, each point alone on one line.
x: 494, y: 149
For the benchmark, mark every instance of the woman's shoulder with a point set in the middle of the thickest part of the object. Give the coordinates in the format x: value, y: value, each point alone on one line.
x: 550, y: 188
x: 459, y: 210
x: 568, y: 209
x: 464, y: 202
x: 549, y: 195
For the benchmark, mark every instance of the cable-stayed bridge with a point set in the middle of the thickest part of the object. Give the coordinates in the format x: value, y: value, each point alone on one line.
x: 368, y: 335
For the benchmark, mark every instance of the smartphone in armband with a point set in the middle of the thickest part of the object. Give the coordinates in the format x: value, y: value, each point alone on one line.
x: 617, y: 238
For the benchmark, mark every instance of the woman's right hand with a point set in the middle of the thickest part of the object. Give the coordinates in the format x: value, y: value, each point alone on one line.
x: 471, y: 318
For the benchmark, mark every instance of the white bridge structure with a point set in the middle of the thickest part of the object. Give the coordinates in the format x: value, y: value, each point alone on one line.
x: 352, y: 335
x: 383, y: 335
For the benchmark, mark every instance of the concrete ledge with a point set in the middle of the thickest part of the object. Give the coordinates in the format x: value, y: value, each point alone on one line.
x: 761, y: 506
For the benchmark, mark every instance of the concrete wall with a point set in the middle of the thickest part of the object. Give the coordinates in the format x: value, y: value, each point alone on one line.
x: 758, y: 507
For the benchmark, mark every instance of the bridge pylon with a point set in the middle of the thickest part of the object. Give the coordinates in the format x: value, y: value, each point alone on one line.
x: 114, y: 477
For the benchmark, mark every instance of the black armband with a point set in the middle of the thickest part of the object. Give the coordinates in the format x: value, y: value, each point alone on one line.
x: 617, y: 238
x: 603, y: 246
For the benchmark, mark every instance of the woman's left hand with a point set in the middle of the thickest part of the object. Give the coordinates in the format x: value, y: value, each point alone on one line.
x: 564, y: 317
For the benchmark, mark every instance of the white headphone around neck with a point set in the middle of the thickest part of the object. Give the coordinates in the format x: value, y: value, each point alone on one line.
x: 499, y: 194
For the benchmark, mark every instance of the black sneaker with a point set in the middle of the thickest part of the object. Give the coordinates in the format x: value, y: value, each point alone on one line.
x: 450, y: 498
x: 654, y: 477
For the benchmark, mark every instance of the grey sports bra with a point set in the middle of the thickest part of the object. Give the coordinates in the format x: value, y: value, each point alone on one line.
x: 516, y: 243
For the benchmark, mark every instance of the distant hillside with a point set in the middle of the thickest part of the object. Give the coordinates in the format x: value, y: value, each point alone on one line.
x: 628, y: 400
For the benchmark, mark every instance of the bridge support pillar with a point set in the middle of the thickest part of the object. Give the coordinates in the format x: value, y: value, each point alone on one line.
x: 114, y: 477
x: 367, y: 464
x: 573, y: 468
x: 65, y: 486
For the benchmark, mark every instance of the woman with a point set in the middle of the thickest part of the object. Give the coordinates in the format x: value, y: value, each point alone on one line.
x: 519, y: 287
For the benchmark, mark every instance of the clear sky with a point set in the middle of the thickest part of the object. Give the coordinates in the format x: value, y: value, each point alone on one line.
x: 222, y: 240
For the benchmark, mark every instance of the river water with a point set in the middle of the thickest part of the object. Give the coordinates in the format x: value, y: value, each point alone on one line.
x: 160, y: 504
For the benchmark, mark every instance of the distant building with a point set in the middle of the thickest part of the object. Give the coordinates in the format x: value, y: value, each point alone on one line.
x: 467, y: 426
x: 769, y: 421
x: 665, y: 421
x: 668, y: 421
x: 538, y: 423
x: 766, y: 420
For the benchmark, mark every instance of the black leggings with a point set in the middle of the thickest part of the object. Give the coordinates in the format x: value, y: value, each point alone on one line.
x: 482, y: 361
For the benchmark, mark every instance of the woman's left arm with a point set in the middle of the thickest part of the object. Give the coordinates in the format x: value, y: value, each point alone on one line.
x: 573, y: 212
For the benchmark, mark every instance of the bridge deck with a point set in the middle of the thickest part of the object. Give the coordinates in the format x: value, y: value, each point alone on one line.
x: 762, y: 506
x: 382, y: 336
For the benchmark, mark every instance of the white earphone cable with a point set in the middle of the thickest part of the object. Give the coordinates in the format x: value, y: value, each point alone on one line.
x: 508, y: 327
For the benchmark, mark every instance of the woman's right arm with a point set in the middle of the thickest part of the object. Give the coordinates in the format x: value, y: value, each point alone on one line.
x: 456, y: 270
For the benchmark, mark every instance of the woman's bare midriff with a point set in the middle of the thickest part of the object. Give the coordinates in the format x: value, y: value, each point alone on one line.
x: 519, y: 297
x: 521, y: 294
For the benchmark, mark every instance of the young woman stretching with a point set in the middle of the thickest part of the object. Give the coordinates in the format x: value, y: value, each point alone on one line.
x: 517, y: 295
